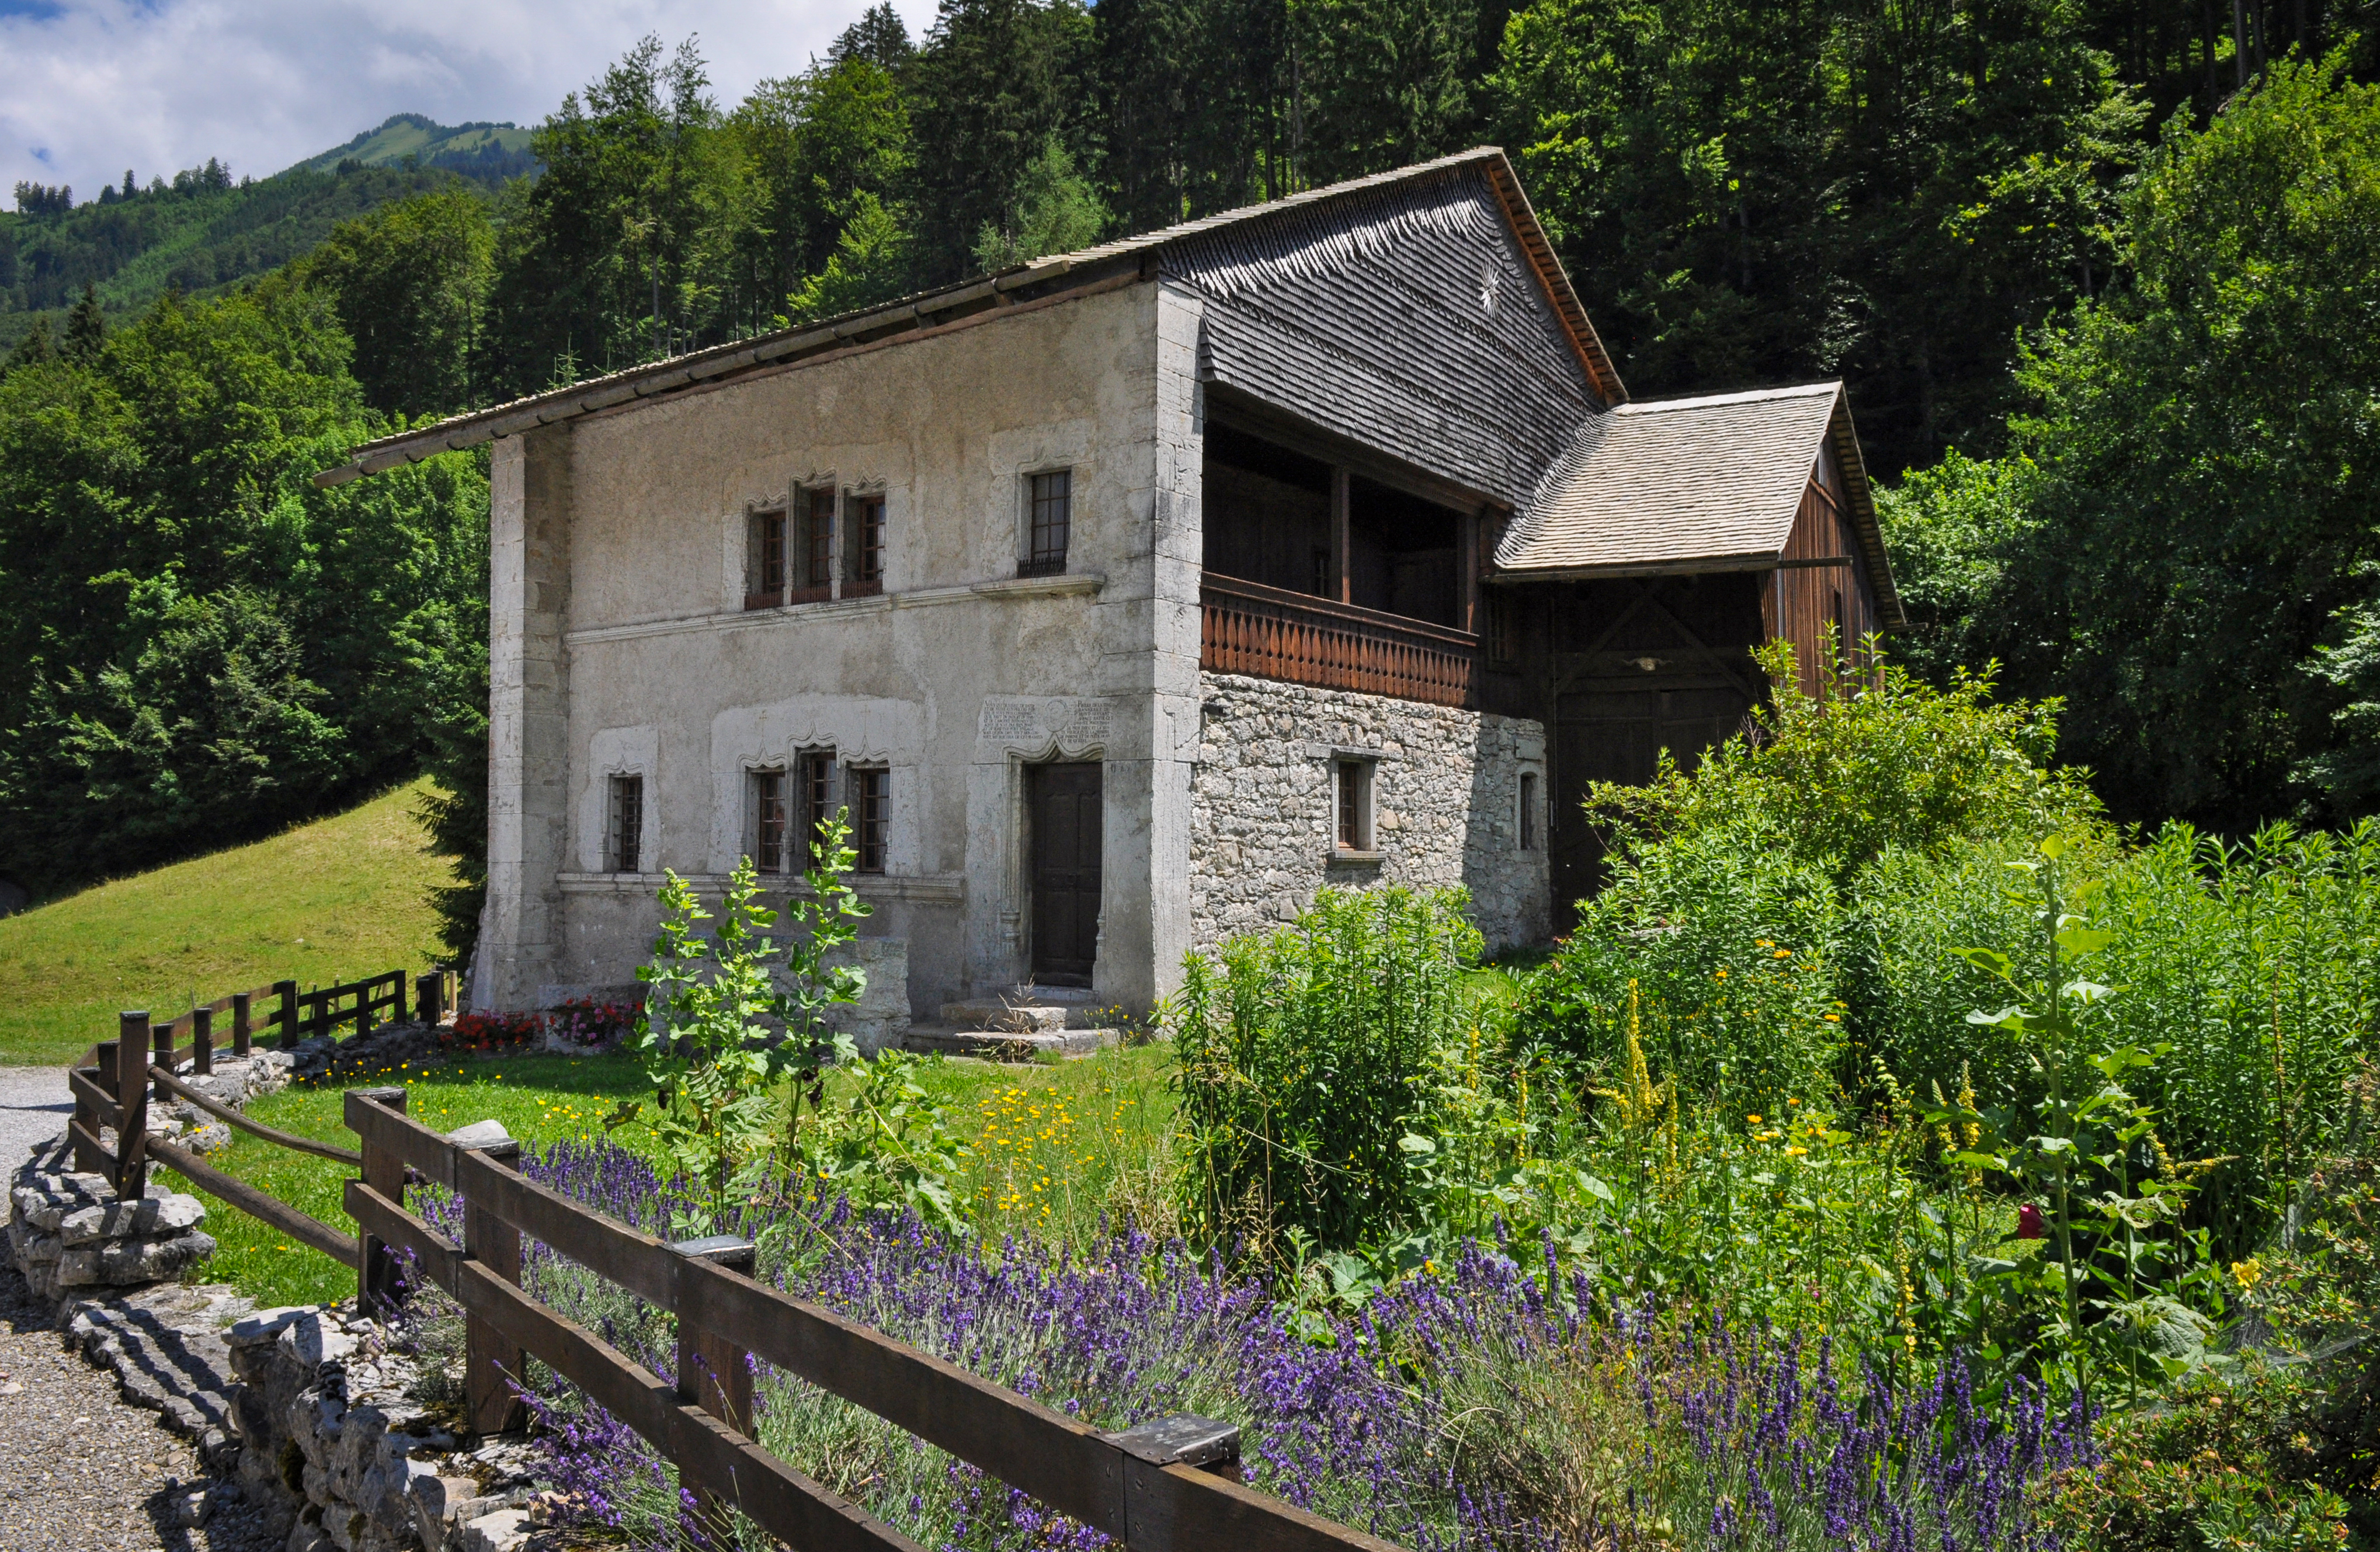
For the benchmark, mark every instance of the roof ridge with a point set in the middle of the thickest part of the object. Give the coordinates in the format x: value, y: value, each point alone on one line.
x: 1741, y: 395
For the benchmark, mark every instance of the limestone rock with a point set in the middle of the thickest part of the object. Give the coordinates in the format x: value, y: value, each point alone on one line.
x: 152, y: 1218
x: 505, y: 1531
x: 120, y: 1262
x: 480, y: 1134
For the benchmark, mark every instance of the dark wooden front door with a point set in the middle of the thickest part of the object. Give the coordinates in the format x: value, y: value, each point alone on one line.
x: 1064, y: 836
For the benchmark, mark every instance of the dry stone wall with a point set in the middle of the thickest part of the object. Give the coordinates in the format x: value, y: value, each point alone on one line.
x: 1445, y: 794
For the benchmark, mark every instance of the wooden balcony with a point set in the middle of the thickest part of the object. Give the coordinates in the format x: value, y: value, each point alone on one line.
x: 1272, y: 633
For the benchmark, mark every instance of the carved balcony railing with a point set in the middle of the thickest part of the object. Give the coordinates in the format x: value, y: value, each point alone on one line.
x: 1272, y: 633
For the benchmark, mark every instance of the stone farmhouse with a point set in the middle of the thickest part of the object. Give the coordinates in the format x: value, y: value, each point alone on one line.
x: 1127, y: 598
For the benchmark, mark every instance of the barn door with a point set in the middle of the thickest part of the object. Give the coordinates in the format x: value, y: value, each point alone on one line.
x: 1064, y: 836
x: 1617, y: 735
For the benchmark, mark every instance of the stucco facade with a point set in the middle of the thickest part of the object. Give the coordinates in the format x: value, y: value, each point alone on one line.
x: 624, y: 645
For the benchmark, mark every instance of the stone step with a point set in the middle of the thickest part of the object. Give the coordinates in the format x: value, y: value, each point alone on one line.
x: 1028, y: 1009
x: 1000, y: 1045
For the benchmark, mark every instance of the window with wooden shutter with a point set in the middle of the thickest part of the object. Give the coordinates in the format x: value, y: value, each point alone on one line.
x: 764, y: 559
x: 871, y: 816
x: 768, y: 820
x: 813, y: 555
x: 863, y: 544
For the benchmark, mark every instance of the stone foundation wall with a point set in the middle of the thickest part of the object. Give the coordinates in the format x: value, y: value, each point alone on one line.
x: 1446, y: 806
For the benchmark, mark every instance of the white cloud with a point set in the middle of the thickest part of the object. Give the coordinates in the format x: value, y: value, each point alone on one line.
x: 93, y: 87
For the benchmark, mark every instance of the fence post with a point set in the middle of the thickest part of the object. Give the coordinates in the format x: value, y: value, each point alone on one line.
x: 132, y: 1093
x: 287, y: 1017
x: 242, y: 1035
x: 87, y: 1160
x: 396, y: 1007
x: 363, y: 1008
x: 428, y: 1005
x: 714, y: 1371
x: 1180, y: 1440
x: 378, y: 1280
x: 492, y: 1360
x: 163, y: 1036
x: 202, y: 1040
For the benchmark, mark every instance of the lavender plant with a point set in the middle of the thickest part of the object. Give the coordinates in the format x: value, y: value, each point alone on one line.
x: 1494, y: 1404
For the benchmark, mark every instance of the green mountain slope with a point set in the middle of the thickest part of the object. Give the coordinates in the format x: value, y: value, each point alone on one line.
x: 202, y: 231
x: 342, y: 897
x: 476, y: 150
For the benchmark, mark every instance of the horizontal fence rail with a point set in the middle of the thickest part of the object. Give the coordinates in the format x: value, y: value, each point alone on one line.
x: 1272, y: 633
x: 1142, y: 1487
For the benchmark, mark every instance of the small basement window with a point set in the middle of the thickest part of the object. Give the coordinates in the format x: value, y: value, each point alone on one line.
x: 767, y: 816
x: 1051, y: 502
x: 624, y: 825
x: 1528, y: 810
x: 1353, y: 782
x: 871, y: 816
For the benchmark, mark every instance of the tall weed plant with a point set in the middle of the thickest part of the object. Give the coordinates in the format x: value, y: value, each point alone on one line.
x: 2257, y: 966
x: 1718, y: 943
x: 1302, y: 1052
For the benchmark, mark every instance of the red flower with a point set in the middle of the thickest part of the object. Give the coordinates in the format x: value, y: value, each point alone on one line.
x: 2028, y: 1223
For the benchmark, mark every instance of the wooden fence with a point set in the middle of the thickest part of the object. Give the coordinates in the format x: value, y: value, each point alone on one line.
x: 1162, y: 1487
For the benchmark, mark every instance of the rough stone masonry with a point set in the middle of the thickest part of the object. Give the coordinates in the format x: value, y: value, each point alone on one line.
x: 1445, y: 794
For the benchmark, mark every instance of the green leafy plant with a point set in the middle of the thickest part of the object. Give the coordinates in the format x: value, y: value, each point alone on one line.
x: 1301, y: 1055
x: 884, y: 1142
x: 732, y: 1017
x: 2089, y: 1146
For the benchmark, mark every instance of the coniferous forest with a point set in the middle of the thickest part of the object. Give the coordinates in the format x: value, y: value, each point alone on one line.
x: 2099, y: 274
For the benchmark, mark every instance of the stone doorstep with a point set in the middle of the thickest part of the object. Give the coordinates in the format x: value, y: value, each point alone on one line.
x: 996, y: 1045
x: 1026, y: 1009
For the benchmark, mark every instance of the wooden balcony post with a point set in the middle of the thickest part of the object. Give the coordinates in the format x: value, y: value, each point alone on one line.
x: 202, y: 1040
x: 491, y: 1361
x: 132, y: 1093
x: 243, y: 1035
x: 378, y: 1280
x: 1342, y: 536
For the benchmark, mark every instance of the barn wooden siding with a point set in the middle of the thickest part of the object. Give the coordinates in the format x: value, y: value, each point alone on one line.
x: 1405, y: 316
x: 1807, y: 595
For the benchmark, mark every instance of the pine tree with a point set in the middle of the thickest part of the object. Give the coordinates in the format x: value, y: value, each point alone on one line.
x: 37, y: 345
x: 85, y: 327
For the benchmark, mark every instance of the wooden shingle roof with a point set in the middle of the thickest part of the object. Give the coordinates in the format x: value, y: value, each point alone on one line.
x: 1141, y: 257
x: 1711, y: 482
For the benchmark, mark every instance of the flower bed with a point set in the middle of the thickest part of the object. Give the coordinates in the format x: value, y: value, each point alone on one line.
x: 1494, y: 1405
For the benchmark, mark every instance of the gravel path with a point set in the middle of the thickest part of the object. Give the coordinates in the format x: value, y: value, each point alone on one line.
x: 33, y: 1109
x: 78, y: 1469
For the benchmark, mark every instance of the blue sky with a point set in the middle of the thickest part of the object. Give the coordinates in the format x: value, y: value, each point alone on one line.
x: 93, y: 87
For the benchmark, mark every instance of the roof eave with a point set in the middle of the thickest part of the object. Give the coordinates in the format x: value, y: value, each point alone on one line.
x: 907, y: 315
x: 1684, y: 565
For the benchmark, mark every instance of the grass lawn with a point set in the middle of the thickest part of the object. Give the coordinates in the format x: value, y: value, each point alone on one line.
x: 343, y: 897
x: 1052, y: 1147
